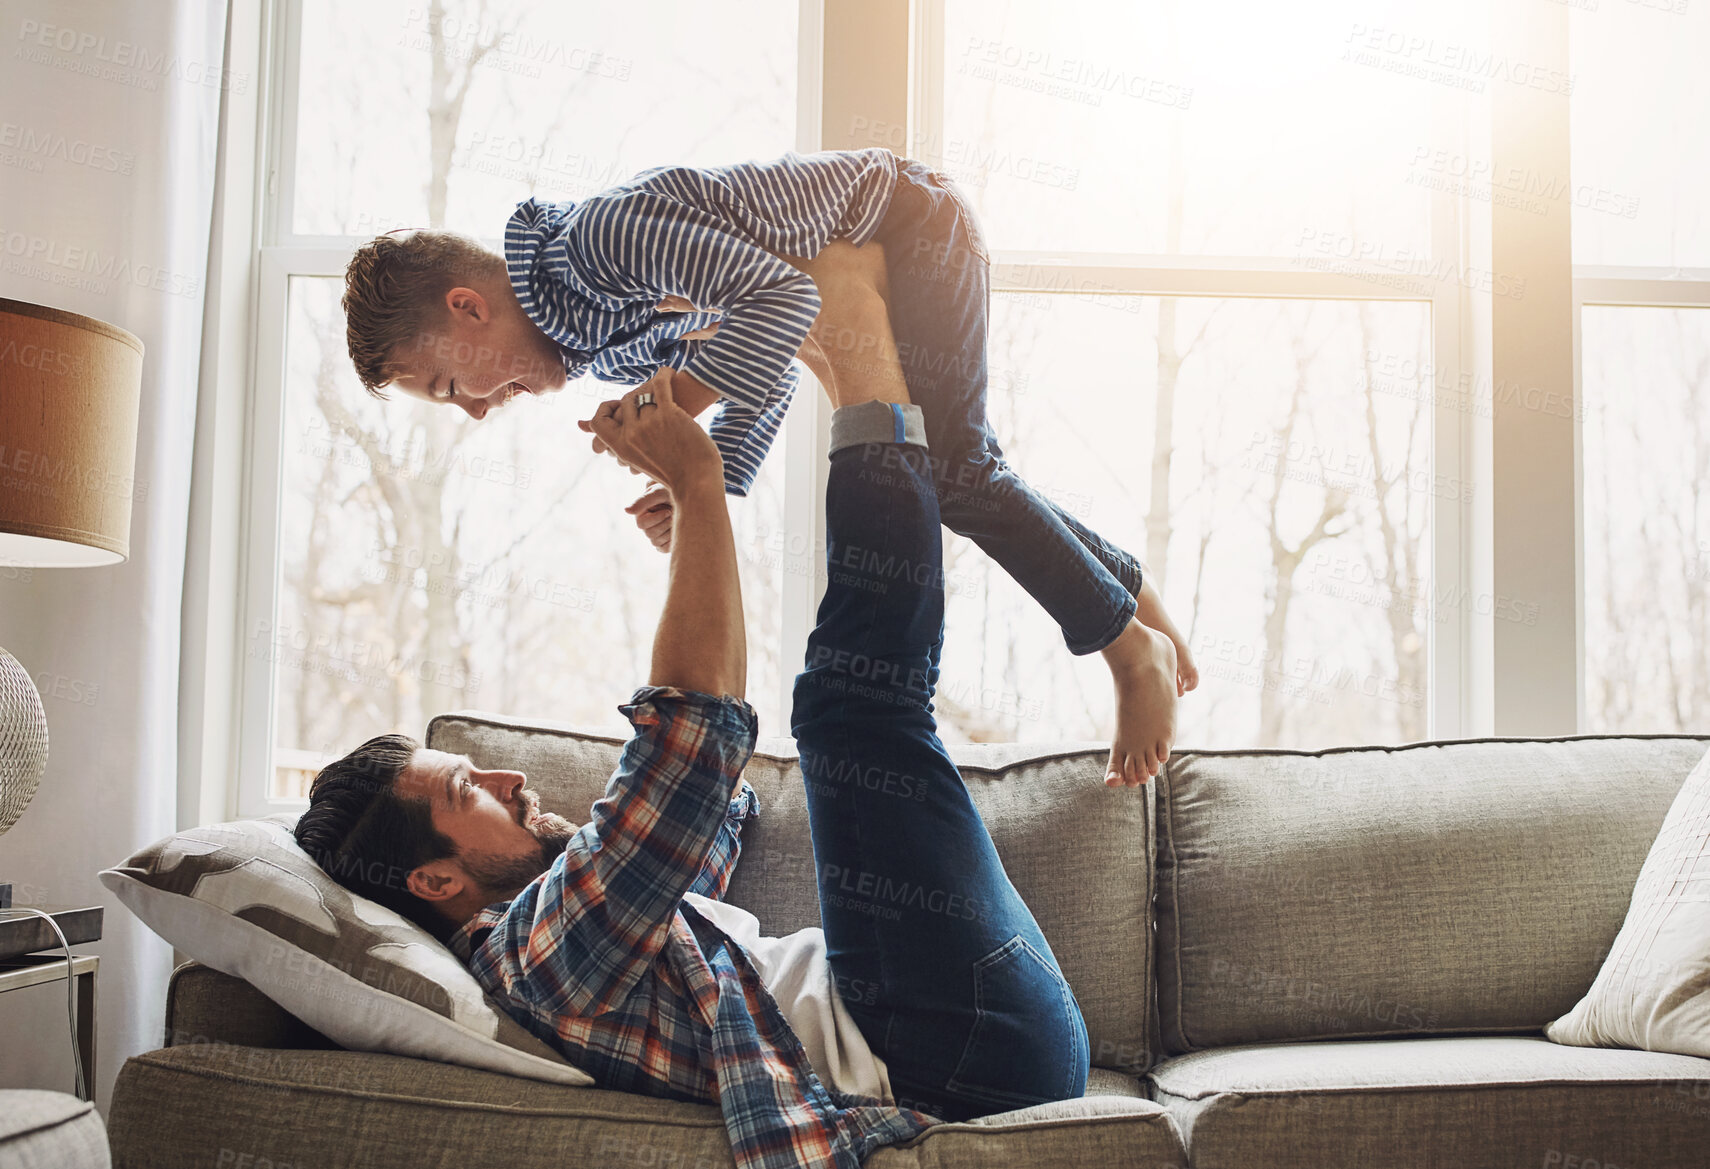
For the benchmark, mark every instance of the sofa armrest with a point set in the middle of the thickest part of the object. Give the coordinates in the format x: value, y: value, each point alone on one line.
x: 205, y: 1006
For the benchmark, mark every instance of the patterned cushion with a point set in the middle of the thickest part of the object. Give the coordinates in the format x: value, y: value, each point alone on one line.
x: 1653, y: 991
x: 245, y: 899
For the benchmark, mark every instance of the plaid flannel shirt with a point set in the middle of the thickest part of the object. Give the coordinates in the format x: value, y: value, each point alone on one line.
x: 602, y: 959
x: 591, y: 276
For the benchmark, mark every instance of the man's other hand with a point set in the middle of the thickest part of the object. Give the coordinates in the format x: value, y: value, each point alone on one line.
x: 654, y: 514
x: 660, y: 440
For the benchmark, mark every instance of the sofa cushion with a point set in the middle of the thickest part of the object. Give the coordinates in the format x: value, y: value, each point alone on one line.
x: 1468, y: 886
x: 1653, y: 991
x: 50, y: 1130
x: 1080, y: 853
x: 245, y: 899
x: 1472, y: 1102
x: 386, y: 1112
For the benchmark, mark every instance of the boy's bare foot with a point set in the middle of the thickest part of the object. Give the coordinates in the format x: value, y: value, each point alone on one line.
x: 1150, y: 611
x: 1143, y: 665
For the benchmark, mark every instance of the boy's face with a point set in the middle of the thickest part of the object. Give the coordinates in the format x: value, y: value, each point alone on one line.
x: 482, y: 351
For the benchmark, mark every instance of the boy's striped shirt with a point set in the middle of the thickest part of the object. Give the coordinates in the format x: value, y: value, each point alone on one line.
x: 591, y: 275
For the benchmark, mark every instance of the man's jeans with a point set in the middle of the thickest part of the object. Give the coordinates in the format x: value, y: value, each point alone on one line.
x: 940, y: 302
x: 931, y: 948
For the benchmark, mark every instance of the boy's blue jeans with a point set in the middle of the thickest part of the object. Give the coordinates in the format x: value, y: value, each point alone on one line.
x: 940, y: 303
x: 932, y: 949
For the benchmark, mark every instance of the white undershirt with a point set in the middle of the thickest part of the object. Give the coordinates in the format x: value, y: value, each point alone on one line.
x: 798, y: 976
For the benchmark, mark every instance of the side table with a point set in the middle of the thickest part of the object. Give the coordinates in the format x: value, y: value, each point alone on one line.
x: 26, y: 961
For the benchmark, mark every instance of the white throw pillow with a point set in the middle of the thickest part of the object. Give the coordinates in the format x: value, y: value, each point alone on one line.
x: 1653, y: 992
x: 244, y: 899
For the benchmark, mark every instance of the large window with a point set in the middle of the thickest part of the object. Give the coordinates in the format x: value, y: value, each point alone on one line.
x: 1265, y: 446
x: 424, y: 562
x: 1641, y: 242
x: 1236, y: 328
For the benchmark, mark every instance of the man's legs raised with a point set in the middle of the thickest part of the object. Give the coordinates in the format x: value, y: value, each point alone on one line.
x: 934, y: 952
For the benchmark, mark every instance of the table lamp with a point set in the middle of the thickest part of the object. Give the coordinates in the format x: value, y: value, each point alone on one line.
x: 69, y: 390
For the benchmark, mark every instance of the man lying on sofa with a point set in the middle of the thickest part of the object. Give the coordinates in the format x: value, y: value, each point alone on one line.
x: 930, y: 993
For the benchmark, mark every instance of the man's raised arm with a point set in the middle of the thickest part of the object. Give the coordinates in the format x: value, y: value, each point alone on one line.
x: 701, y: 643
x: 584, y: 935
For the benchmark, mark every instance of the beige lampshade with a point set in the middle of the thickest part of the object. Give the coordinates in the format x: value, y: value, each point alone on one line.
x: 69, y: 389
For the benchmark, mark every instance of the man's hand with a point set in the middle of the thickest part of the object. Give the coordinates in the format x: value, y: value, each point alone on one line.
x: 701, y: 644
x: 665, y: 377
x: 660, y: 440
x: 654, y: 514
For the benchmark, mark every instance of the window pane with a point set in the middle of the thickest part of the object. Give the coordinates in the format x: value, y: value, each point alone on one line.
x: 1640, y: 121
x: 405, y: 120
x: 1236, y: 127
x: 1293, y: 546
x: 1647, y: 519
x: 433, y: 563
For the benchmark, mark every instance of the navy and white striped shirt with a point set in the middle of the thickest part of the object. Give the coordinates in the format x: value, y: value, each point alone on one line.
x: 591, y: 275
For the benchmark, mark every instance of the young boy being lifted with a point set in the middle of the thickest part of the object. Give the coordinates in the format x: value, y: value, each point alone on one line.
x: 870, y: 268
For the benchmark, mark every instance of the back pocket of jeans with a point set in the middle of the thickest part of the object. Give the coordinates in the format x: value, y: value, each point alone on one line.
x: 1028, y: 1043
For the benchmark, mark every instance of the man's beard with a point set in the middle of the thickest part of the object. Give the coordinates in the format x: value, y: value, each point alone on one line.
x: 504, y: 877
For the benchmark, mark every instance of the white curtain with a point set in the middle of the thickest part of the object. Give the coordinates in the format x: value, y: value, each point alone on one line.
x: 109, y: 114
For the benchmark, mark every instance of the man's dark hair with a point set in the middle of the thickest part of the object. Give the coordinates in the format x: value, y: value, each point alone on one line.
x: 367, y: 837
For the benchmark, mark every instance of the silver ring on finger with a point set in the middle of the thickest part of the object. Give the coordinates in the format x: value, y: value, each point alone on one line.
x: 643, y: 399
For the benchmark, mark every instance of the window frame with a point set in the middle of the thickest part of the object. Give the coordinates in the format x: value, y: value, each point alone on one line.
x: 281, y: 255
x: 1464, y: 668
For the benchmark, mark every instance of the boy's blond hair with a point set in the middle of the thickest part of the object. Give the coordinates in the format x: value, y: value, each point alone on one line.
x: 392, y: 288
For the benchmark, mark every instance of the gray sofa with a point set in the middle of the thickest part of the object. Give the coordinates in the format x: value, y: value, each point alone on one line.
x: 1312, y: 959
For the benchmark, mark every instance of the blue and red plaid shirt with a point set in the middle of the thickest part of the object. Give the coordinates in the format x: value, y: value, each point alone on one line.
x: 602, y: 959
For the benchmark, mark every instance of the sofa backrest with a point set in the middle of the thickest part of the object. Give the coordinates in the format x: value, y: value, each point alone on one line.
x: 1080, y: 854
x: 1462, y: 886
